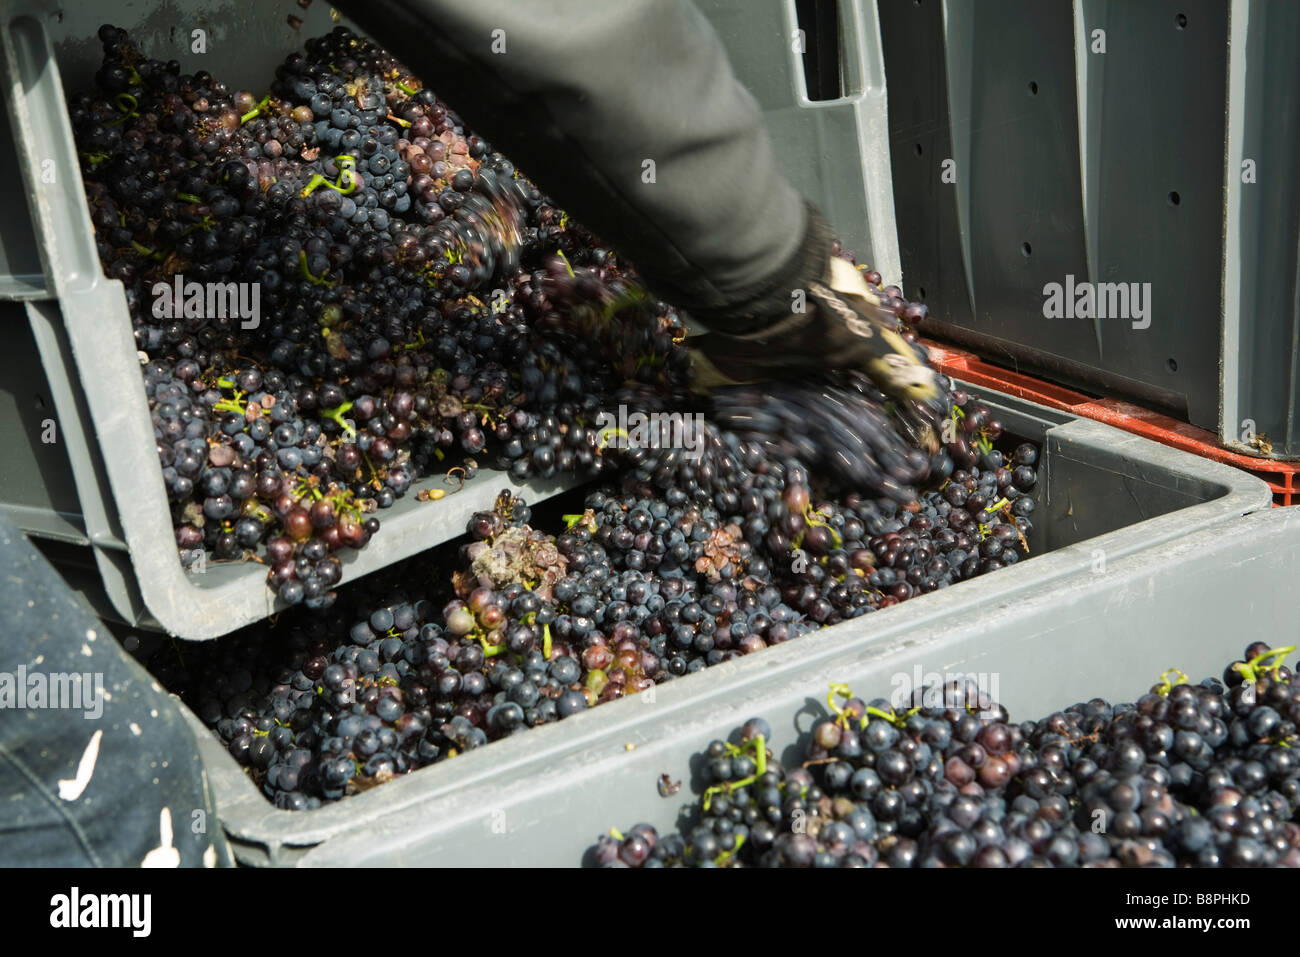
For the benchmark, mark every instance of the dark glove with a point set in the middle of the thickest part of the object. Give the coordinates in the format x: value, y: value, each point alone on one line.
x: 837, y: 323
x: 841, y: 326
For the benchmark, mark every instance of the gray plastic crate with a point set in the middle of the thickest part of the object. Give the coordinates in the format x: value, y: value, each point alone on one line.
x: 95, y: 494
x: 1117, y: 166
x: 1123, y: 528
x: 836, y: 152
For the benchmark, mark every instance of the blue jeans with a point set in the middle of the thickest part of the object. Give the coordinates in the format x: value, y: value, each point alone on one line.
x: 97, y: 765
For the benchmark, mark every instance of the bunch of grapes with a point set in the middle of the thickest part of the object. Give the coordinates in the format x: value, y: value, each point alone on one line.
x: 1190, y: 775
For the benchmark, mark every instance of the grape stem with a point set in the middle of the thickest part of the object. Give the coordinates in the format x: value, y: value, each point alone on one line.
x: 760, y: 768
x: 609, y: 432
x: 234, y: 405
x: 347, y: 170
x: 843, y: 716
x: 256, y: 111
x: 897, y: 720
x: 306, y: 273
x: 811, y: 518
x: 1251, y: 670
x: 722, y: 859
x: 839, y: 690
x: 144, y: 250
x: 306, y: 488
x: 126, y: 104
x: 1166, y: 685
x: 229, y: 405
x: 336, y: 415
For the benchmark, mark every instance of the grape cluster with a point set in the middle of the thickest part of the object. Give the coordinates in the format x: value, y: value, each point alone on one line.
x: 1190, y: 775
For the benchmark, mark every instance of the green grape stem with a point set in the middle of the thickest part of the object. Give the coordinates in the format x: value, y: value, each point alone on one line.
x: 811, y: 518
x: 725, y: 857
x: 1252, y: 669
x: 760, y: 768
x: 256, y: 111
x: 336, y: 414
x: 346, y: 165
x: 1166, y: 685
x: 306, y: 273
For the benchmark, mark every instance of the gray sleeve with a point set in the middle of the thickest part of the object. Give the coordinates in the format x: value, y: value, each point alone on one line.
x: 580, y: 94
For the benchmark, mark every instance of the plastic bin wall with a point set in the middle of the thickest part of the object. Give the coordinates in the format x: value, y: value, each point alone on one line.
x: 80, y: 472
x: 1049, y: 141
x: 836, y: 151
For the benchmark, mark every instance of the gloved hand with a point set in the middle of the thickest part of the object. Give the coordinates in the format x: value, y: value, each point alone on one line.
x: 842, y: 326
x: 816, y: 314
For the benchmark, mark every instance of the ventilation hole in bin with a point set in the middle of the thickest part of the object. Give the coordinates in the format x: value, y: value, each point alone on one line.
x: 1033, y: 88
x: 918, y: 149
x: 40, y: 403
x: 920, y: 293
x: 1174, y: 198
x: 1171, y: 365
x: 1181, y: 20
x: 1026, y: 249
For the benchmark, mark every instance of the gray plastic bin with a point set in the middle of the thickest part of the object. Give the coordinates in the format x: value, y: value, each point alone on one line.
x: 1141, y: 560
x: 1151, y: 142
x: 94, y: 495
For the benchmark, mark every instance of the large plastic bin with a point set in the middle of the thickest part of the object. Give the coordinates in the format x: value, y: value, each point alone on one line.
x: 94, y: 496
x: 1106, y: 602
x: 1151, y: 142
